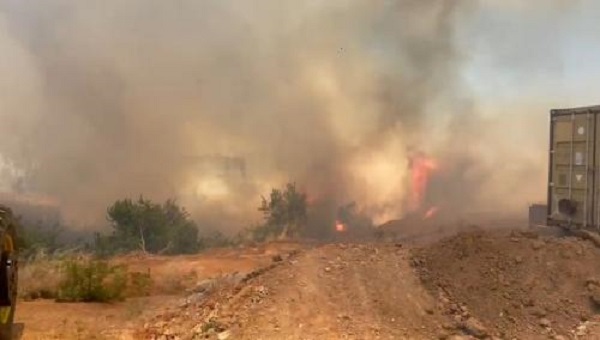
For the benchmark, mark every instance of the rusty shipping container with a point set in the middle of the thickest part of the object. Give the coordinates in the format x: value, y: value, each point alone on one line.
x: 574, y: 171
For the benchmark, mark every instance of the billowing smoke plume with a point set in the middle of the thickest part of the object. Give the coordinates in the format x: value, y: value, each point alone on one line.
x: 215, y: 102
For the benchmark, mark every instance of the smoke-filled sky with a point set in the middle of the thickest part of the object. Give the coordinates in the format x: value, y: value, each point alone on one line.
x: 216, y: 102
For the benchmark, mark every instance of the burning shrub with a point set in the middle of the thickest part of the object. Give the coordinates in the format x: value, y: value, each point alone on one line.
x: 351, y: 219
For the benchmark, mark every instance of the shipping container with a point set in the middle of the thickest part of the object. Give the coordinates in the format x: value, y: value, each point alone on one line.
x: 574, y: 169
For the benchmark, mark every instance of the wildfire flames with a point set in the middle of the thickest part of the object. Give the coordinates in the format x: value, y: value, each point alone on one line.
x: 430, y: 213
x: 422, y: 167
x: 340, y: 227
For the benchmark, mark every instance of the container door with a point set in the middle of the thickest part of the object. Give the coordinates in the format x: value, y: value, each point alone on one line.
x: 571, y: 170
x: 596, y: 171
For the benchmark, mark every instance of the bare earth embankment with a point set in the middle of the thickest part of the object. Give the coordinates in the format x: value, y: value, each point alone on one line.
x: 479, y: 284
x: 487, y: 285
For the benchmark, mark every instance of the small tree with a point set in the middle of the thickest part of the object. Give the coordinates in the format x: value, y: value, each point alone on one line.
x: 285, y: 212
x: 150, y: 227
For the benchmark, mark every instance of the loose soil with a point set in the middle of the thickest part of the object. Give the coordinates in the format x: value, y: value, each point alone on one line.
x: 173, y: 277
x: 473, y: 285
x: 517, y: 284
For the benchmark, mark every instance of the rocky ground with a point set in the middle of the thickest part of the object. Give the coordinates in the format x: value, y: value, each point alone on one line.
x: 174, y: 277
x: 330, y: 292
x: 476, y: 285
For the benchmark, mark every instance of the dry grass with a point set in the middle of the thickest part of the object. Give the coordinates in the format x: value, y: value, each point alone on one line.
x: 176, y: 283
x: 41, y: 275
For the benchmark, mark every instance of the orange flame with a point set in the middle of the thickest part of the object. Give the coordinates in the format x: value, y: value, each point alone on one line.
x: 340, y: 227
x: 430, y: 213
x: 421, y: 169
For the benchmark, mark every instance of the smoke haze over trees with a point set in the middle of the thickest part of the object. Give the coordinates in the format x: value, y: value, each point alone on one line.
x: 217, y: 102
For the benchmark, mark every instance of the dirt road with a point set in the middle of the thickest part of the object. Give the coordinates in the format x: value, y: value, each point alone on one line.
x: 342, y: 292
x: 330, y: 292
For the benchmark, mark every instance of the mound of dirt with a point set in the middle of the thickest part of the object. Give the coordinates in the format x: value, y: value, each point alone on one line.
x: 330, y: 292
x: 516, y: 285
x: 476, y: 285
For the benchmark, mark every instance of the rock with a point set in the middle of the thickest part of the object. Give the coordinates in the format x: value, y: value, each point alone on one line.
x: 344, y: 317
x: 592, y: 281
x: 458, y: 337
x: 444, y: 300
x: 545, y: 322
x: 203, y: 286
x: 444, y: 336
x: 560, y: 337
x: 582, y: 329
x: 475, y: 328
x: 277, y: 258
x: 224, y: 335
x: 537, y: 244
x: 327, y: 269
x: 595, y: 295
x: 539, y: 313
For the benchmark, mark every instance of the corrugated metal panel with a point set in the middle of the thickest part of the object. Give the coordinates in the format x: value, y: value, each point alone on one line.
x: 573, y: 195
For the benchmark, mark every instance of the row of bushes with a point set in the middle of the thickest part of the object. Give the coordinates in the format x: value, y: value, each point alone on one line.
x: 141, y: 225
x: 167, y: 228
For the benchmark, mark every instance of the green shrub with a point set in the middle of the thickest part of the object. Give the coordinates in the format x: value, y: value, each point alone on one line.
x: 142, y: 225
x: 92, y: 281
x: 284, y: 213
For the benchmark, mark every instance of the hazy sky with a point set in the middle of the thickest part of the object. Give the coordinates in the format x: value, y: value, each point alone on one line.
x: 536, y: 52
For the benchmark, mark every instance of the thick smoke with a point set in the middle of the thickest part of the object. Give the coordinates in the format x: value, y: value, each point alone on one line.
x: 216, y: 102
